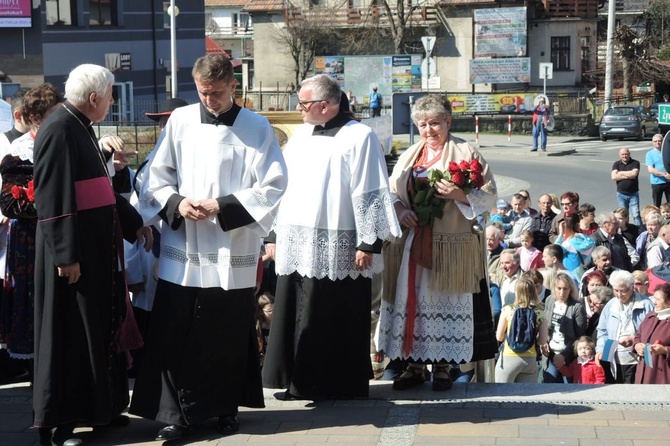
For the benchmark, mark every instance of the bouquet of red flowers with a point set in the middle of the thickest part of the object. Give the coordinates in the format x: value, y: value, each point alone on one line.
x: 25, y: 193
x: 466, y: 175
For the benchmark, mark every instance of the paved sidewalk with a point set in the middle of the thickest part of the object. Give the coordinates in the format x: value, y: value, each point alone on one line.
x: 520, y: 145
x: 469, y: 414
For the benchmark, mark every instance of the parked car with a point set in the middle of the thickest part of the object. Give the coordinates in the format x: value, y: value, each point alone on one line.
x: 627, y: 121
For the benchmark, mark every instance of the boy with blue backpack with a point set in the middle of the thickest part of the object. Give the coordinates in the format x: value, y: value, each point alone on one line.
x: 522, y: 326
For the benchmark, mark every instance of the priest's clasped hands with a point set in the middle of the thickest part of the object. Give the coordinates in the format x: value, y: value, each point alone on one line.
x: 198, y: 210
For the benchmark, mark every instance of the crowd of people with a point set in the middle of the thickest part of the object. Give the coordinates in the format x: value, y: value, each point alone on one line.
x: 593, y: 298
x: 223, y: 264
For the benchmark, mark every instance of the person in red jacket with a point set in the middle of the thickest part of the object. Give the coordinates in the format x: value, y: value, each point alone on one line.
x: 584, y: 370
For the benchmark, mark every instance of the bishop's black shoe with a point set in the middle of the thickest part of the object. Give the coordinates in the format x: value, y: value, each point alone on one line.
x: 228, y: 424
x: 171, y: 432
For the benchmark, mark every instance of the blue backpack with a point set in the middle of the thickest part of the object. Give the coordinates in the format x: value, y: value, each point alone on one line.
x: 522, y: 331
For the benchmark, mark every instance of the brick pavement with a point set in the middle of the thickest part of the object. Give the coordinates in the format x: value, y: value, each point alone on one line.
x: 469, y: 414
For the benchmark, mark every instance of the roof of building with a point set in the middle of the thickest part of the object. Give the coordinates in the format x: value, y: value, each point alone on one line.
x: 227, y: 3
x: 211, y: 47
x: 265, y: 5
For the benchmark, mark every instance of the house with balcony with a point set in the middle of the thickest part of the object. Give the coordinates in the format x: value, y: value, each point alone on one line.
x: 232, y: 29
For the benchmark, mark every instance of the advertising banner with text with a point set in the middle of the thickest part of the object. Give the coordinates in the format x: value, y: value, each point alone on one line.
x: 500, y: 32
x: 500, y: 71
x: 15, y: 13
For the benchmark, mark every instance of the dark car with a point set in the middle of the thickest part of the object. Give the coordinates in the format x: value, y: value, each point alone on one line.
x: 627, y: 121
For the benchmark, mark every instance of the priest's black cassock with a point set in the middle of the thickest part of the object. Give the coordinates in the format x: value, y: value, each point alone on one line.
x: 81, y: 330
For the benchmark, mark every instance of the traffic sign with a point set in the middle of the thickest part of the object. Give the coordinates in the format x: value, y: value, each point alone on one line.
x: 664, y: 113
x: 428, y: 43
x: 546, y: 70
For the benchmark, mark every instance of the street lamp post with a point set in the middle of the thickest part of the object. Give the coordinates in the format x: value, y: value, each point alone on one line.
x: 173, y: 11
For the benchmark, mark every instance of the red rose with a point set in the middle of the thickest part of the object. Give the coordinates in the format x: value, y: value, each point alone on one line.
x: 16, y: 192
x: 30, y: 192
x: 458, y: 178
x: 477, y: 179
x: 464, y: 166
x: 476, y: 166
x: 453, y: 168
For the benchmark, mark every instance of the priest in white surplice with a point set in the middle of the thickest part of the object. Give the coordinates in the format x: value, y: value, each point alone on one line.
x: 218, y: 176
x: 331, y: 222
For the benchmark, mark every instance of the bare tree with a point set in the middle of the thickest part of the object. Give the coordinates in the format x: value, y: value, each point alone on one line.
x: 638, y: 54
x: 303, y: 36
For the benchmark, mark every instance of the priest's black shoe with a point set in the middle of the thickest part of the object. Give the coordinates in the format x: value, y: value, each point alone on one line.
x: 228, y: 424
x: 171, y: 432
x: 63, y: 436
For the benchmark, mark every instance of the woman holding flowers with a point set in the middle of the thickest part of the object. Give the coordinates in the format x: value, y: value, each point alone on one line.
x: 436, y: 307
x: 17, y: 201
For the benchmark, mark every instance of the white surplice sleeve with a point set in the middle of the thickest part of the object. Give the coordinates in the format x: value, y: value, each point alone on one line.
x: 370, y: 192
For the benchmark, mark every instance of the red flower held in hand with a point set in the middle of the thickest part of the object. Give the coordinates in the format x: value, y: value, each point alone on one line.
x: 458, y: 179
x: 476, y: 166
x: 464, y: 166
x: 30, y: 192
x: 17, y: 191
x: 477, y: 179
x: 453, y: 168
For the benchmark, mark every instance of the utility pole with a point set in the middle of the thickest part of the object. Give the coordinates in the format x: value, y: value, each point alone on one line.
x: 609, y: 61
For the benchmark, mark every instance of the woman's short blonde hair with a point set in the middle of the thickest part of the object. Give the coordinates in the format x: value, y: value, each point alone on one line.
x: 431, y: 106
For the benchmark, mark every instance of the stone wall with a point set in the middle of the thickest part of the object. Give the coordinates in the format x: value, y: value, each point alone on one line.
x: 577, y: 125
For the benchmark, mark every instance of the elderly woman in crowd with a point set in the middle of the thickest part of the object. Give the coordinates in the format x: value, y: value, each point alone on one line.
x: 602, y: 259
x: 596, y: 301
x: 648, y: 238
x: 17, y: 310
x: 619, y: 322
x: 436, y: 306
x: 653, y: 341
x: 567, y: 323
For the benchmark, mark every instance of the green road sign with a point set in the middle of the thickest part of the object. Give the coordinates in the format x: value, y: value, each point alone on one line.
x: 664, y: 113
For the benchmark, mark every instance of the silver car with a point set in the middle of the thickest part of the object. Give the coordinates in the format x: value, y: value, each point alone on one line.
x: 627, y: 121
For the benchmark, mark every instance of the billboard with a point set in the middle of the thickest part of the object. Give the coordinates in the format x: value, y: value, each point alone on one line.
x: 15, y: 13
x: 500, y: 32
x: 359, y: 74
x: 500, y: 71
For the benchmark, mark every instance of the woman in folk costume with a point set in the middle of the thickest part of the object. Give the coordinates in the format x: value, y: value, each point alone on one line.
x: 436, y: 306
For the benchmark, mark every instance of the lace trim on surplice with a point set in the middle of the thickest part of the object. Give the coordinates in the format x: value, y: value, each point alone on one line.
x: 208, y: 259
x: 374, y: 215
x: 319, y: 253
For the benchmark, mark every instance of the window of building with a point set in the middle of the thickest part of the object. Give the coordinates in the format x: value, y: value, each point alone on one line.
x: 102, y: 12
x: 61, y: 12
x: 586, y: 53
x: 560, y: 53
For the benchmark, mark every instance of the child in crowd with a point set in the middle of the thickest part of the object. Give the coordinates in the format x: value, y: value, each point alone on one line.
x: 520, y: 366
x: 665, y: 212
x: 266, y: 305
x: 584, y: 370
x: 531, y: 257
x: 502, y: 215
